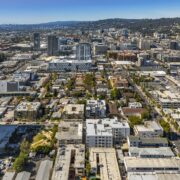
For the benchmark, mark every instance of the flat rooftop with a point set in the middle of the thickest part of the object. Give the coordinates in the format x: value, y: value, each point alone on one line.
x: 136, y: 162
x: 147, y: 140
x: 28, y: 106
x: 75, y: 61
x: 153, y: 176
x: 44, y: 171
x: 160, y: 152
x: 109, y: 169
x: 9, y: 176
x: 148, y: 126
x: 63, y: 160
x: 24, y: 175
x: 103, y: 127
x: 69, y: 131
x: 74, y: 108
x: 153, y: 73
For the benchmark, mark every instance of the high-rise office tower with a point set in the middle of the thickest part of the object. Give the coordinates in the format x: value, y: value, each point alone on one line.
x: 36, y: 41
x: 174, y: 45
x: 145, y: 44
x: 83, y: 51
x: 52, y: 45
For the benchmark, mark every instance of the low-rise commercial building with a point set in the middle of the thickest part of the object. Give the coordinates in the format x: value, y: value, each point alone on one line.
x: 153, y: 176
x: 137, y: 141
x: 136, y: 164
x: 161, y: 152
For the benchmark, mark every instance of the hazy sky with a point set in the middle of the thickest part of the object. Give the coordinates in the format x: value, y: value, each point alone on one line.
x: 36, y: 11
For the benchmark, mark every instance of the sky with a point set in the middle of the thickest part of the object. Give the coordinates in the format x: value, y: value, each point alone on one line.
x: 39, y: 11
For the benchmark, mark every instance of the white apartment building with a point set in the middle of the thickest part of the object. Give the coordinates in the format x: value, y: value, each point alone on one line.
x: 105, y: 132
x: 95, y: 108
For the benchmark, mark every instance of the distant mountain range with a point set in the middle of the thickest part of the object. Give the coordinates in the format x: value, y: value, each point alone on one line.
x: 49, y: 25
x: 142, y: 25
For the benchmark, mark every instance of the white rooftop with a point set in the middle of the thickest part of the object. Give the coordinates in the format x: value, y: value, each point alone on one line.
x: 103, y: 127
